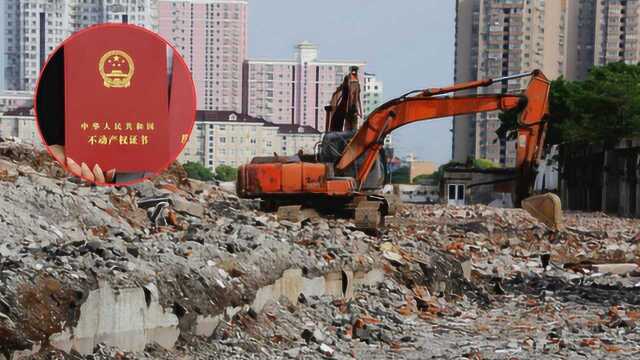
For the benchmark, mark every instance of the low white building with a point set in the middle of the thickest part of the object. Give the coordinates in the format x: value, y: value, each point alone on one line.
x: 11, y: 100
x: 419, y: 194
x: 20, y: 123
x: 218, y: 138
x: 372, y: 94
x: 230, y: 138
x: 293, y: 138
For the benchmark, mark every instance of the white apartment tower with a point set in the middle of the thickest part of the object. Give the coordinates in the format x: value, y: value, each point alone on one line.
x: 617, y: 31
x: 32, y: 29
x: 496, y: 38
x: 372, y: 94
x: 561, y: 37
x: 85, y: 13
x: 3, y: 39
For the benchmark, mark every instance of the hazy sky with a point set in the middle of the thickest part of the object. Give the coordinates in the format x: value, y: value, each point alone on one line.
x: 409, y: 44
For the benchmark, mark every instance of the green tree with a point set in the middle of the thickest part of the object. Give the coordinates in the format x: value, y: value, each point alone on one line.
x: 422, y: 179
x: 400, y: 176
x: 226, y: 173
x: 198, y: 171
x: 439, y: 174
x: 484, y: 164
x: 602, y: 109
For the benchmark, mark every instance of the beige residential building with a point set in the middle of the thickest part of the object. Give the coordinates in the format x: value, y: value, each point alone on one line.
x: 580, y: 30
x: 617, y: 31
x: 230, y: 138
x: 496, y: 38
x: 293, y: 138
x: 417, y: 168
x: 599, y: 32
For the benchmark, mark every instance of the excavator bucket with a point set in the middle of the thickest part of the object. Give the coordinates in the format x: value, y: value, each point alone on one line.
x: 546, y: 208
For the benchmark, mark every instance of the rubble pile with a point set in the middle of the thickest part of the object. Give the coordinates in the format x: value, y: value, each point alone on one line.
x: 176, y: 268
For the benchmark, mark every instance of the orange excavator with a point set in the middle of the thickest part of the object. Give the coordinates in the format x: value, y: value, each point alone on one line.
x: 348, y: 169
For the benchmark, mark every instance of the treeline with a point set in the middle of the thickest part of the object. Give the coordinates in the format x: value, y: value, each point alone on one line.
x: 602, y: 109
x: 198, y: 171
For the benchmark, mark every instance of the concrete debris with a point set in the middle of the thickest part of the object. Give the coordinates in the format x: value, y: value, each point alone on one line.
x: 326, y: 350
x: 175, y: 268
x: 619, y: 269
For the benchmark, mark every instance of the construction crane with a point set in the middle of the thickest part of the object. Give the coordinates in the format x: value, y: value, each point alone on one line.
x: 348, y: 169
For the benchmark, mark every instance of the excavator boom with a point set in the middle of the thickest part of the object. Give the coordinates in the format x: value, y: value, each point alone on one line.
x: 426, y: 106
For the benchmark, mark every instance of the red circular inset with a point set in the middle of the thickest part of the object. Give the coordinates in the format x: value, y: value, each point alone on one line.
x: 115, y: 104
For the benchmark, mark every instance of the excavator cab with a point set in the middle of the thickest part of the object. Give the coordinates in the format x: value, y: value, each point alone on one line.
x: 330, y: 150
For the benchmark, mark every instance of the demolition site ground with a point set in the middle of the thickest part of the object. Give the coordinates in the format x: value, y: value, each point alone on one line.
x: 180, y: 269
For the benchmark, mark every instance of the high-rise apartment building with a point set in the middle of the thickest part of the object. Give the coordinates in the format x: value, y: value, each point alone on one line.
x: 599, y: 32
x: 32, y: 29
x: 372, y: 98
x: 495, y: 38
x: 562, y: 37
x: 3, y: 40
x: 83, y: 13
x: 372, y: 94
x: 212, y: 37
x: 617, y: 31
x: 294, y: 91
x: 580, y: 29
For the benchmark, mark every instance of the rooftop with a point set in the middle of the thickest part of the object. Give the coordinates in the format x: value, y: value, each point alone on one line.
x: 28, y: 95
x: 21, y: 111
x: 319, y: 62
x: 296, y: 129
x: 497, y: 171
x: 229, y: 116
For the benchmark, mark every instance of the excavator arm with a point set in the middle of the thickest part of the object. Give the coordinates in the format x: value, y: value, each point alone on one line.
x: 427, y: 104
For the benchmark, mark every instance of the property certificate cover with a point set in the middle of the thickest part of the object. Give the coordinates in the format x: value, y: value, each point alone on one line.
x: 117, y: 80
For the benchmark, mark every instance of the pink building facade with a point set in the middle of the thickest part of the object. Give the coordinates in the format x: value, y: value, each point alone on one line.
x: 212, y: 37
x: 294, y: 91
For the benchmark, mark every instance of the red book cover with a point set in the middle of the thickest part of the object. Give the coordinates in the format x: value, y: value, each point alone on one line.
x: 117, y: 99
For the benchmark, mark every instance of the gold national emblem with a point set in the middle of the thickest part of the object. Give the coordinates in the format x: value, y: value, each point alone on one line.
x: 116, y: 68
